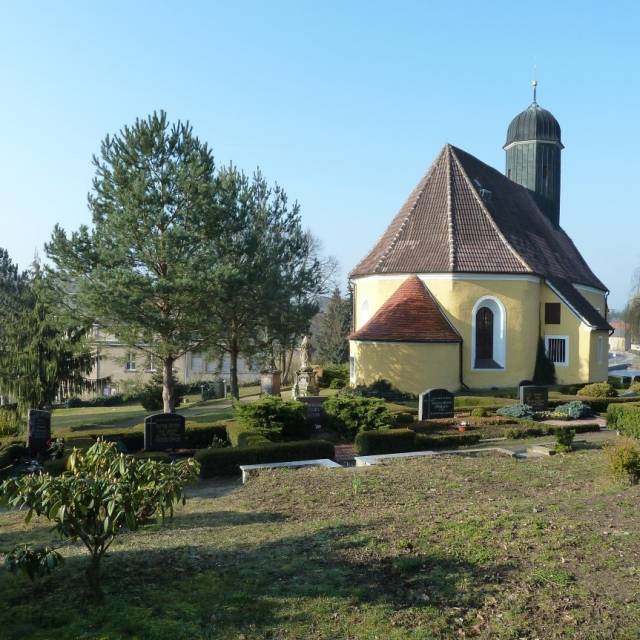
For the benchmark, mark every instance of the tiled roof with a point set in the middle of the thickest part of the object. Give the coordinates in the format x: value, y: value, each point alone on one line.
x: 466, y: 217
x: 411, y: 314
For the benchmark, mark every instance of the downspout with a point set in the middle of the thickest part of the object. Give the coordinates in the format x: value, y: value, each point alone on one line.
x: 462, y: 384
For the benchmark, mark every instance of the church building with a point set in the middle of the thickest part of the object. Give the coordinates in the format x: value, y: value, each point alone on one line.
x: 474, y: 270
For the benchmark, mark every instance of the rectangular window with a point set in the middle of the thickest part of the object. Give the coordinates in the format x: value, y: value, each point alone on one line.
x: 557, y: 348
x: 150, y: 364
x: 196, y: 362
x: 131, y: 361
x: 552, y: 313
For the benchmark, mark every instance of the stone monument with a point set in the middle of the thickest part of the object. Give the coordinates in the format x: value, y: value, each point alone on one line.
x: 305, y: 384
x: 435, y: 403
x: 163, y: 432
x: 38, y: 431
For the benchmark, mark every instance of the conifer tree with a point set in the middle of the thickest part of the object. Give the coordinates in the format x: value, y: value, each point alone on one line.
x: 42, y: 354
x: 335, y: 325
x: 545, y: 370
x: 142, y: 270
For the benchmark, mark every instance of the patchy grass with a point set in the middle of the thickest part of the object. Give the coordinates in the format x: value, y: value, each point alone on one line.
x: 452, y: 547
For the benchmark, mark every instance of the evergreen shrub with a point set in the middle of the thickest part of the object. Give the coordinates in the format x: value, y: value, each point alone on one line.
x: 479, y: 412
x: 331, y: 373
x: 425, y: 442
x: 385, y: 441
x: 574, y: 410
x: 224, y: 462
x: 598, y: 390
x: 272, y: 417
x: 402, y: 418
x: 516, y: 411
x: 348, y: 414
x: 337, y: 383
x: 623, y: 458
x: 625, y: 419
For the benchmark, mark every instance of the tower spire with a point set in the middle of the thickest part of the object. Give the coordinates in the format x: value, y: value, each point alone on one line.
x: 534, y: 84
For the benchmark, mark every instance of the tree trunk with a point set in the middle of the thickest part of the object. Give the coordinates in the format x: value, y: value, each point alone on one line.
x: 233, y: 371
x: 168, y: 391
x: 92, y: 574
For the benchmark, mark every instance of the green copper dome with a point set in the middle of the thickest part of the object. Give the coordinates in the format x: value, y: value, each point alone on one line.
x: 535, y: 123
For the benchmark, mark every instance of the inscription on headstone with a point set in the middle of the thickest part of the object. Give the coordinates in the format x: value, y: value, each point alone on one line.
x: 435, y: 403
x: 163, y: 431
x: 314, y: 409
x: 39, y: 430
x: 536, y: 397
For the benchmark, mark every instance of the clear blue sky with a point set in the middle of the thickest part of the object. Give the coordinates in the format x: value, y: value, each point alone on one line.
x: 344, y: 103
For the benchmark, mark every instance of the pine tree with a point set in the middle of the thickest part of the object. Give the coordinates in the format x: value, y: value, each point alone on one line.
x: 335, y: 325
x: 143, y: 270
x: 545, y: 370
x: 42, y: 354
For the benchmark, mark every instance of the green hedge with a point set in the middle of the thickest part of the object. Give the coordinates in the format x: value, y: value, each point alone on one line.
x: 449, y: 441
x: 348, y: 414
x: 532, y: 429
x: 132, y: 440
x: 599, y: 405
x: 224, y: 462
x: 197, y: 437
x: 385, y: 441
x: 273, y: 417
x: 252, y: 439
x: 626, y: 419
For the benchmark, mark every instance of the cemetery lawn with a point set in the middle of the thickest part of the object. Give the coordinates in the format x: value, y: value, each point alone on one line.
x: 452, y: 547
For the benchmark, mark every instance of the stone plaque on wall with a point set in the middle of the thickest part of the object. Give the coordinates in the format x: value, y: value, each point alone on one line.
x: 536, y: 397
x: 435, y: 403
x: 163, y: 431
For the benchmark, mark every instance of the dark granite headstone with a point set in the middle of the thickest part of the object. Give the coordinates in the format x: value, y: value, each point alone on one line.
x: 536, y: 397
x: 39, y: 431
x: 163, y: 431
x: 314, y: 409
x: 435, y: 403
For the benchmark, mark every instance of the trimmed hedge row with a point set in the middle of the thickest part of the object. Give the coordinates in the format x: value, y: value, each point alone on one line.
x: 626, y: 419
x: 404, y: 440
x: 532, y: 429
x: 194, y: 437
x: 225, y: 462
x: 600, y: 405
x: 386, y: 441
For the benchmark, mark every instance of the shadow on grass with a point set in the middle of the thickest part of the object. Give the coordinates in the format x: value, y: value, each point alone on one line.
x: 206, y: 591
x: 223, y: 519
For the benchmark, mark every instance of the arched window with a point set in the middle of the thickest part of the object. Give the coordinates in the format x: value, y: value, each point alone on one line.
x: 484, y: 334
x: 489, y: 334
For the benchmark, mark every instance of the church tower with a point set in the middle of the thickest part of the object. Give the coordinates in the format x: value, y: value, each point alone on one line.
x: 533, y: 156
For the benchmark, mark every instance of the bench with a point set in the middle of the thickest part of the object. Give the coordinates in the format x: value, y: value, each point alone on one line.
x: 248, y: 469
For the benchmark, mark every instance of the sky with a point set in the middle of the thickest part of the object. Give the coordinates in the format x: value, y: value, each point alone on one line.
x: 344, y: 104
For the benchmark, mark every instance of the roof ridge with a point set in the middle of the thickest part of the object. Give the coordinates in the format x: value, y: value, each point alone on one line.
x: 489, y: 217
x: 452, y: 257
x: 417, y: 192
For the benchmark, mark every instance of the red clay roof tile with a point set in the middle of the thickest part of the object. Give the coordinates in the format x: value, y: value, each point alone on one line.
x: 411, y: 314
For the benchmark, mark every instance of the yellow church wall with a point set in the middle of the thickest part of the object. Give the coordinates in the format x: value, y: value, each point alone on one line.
x: 583, y: 364
x: 597, y: 299
x: 411, y: 366
x: 523, y: 299
x: 457, y: 297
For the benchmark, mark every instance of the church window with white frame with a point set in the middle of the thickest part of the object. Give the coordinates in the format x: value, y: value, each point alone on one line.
x: 557, y: 349
x: 488, y: 334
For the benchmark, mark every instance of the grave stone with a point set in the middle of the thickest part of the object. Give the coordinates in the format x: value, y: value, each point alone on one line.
x: 535, y: 396
x: 163, y: 431
x: 270, y: 383
x: 435, y: 403
x: 314, y: 409
x: 39, y: 431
